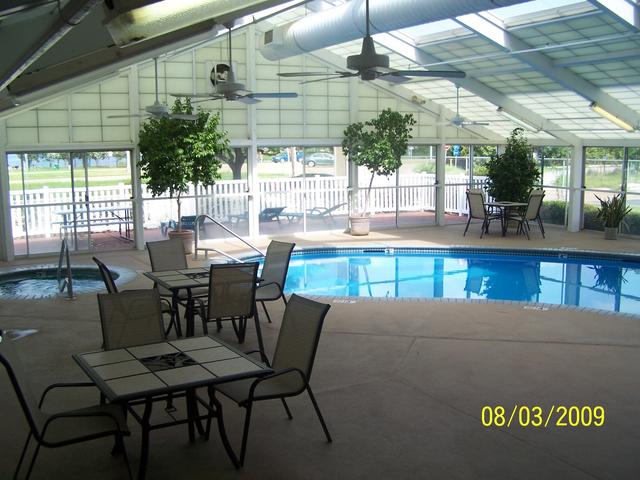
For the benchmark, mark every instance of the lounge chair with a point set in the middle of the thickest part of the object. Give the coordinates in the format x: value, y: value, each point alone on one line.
x: 267, y: 215
x: 323, y: 213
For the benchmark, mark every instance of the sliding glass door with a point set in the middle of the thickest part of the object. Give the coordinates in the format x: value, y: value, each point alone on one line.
x: 84, y: 197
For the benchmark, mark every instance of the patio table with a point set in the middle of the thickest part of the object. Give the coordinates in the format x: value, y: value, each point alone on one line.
x: 504, y: 208
x: 139, y: 373
x: 188, y: 279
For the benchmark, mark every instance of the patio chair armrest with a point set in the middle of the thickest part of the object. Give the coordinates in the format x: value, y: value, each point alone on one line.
x: 63, y: 385
x: 284, y: 371
x: 263, y: 357
x: 76, y: 414
x: 260, y: 285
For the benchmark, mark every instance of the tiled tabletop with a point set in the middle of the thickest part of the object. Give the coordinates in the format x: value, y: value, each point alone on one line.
x: 141, y: 371
x: 186, y: 278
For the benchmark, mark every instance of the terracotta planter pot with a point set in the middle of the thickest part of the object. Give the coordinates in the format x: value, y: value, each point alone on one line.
x: 359, y: 226
x: 187, y: 239
x: 610, y: 233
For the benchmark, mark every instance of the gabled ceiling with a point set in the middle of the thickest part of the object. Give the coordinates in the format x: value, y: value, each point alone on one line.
x: 542, y: 61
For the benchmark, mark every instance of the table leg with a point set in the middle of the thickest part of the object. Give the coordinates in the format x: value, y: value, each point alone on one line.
x: 503, y: 221
x: 144, y: 449
x: 193, y: 415
x: 189, y: 314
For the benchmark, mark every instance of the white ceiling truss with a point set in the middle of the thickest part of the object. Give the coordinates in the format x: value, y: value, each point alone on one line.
x: 543, y: 62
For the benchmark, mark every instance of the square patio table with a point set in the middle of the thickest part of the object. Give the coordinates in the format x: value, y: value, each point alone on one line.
x: 504, y: 208
x: 131, y: 374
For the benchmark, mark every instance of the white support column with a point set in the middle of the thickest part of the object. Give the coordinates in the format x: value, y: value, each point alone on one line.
x: 6, y: 237
x: 575, y: 189
x: 441, y: 152
x: 352, y: 168
x: 136, y: 183
x: 252, y: 159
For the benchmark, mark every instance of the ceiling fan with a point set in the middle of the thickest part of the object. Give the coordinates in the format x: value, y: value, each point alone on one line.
x: 369, y: 65
x: 458, y: 120
x: 225, y: 86
x: 158, y: 110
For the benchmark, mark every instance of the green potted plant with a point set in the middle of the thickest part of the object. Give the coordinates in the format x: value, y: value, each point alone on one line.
x: 512, y: 174
x: 377, y: 144
x: 611, y: 213
x: 176, y: 153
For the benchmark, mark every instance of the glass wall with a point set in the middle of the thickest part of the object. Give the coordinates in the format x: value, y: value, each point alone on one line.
x: 553, y: 163
x: 84, y: 196
x: 416, y: 187
x: 604, y: 169
x: 302, y: 189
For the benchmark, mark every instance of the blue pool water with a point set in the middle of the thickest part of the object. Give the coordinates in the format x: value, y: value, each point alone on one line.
x: 566, y: 278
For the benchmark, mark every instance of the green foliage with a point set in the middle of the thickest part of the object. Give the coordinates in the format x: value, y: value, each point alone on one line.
x: 512, y: 174
x: 378, y: 144
x: 609, y: 278
x: 176, y: 152
x: 553, y: 212
x: 612, y: 211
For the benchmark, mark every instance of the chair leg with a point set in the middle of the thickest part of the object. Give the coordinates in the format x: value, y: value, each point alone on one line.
x: 125, y: 456
x: 264, y: 307
x: 174, y: 306
x: 540, y: 225
x: 33, y: 461
x: 467, y: 227
x: 286, y: 407
x: 245, y: 433
x: 315, y: 405
x: 484, y: 227
x: 24, y: 451
x: 284, y: 299
x: 214, y: 402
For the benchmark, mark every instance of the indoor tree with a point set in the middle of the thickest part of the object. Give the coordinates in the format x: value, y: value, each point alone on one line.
x: 176, y: 153
x: 378, y: 145
x: 512, y: 174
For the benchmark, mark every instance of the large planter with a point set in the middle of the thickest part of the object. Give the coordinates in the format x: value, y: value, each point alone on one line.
x: 187, y: 239
x: 359, y: 225
x: 611, y: 233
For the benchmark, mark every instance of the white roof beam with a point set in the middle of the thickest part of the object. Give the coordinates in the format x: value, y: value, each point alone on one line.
x: 620, y: 10
x: 621, y: 55
x: 476, y: 87
x: 490, y: 30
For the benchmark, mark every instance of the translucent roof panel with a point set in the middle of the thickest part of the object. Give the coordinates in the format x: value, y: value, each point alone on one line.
x: 550, y: 8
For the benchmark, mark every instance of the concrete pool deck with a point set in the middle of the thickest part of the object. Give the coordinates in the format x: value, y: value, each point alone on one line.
x: 401, y: 384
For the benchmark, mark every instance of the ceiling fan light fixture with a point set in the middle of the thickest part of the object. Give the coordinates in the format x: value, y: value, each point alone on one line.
x: 523, y: 123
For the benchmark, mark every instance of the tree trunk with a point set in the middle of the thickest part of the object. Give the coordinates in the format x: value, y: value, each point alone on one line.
x: 179, y: 213
x: 367, y: 197
x: 236, y: 162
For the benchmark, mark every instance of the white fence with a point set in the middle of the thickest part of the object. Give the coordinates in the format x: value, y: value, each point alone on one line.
x: 40, y: 210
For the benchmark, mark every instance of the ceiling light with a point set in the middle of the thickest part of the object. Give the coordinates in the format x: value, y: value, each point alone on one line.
x: 132, y: 21
x: 524, y: 124
x: 611, y: 117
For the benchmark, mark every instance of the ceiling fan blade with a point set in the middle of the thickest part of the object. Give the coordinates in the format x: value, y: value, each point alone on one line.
x: 246, y: 99
x: 426, y: 73
x: 193, y: 95
x: 304, y: 74
x: 476, y: 123
x: 135, y: 115
x: 183, y: 116
x: 273, y: 95
x: 208, y: 99
x: 341, y: 75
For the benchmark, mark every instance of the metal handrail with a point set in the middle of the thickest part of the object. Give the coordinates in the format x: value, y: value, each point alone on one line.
x: 200, y: 218
x: 67, y: 281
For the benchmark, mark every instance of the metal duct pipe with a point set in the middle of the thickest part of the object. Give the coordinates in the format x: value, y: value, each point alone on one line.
x: 347, y: 22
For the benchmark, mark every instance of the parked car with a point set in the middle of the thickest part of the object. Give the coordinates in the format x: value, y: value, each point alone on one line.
x: 320, y: 158
x: 284, y: 156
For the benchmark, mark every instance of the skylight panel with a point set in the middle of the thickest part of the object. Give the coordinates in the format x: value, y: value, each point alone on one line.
x: 551, y: 9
